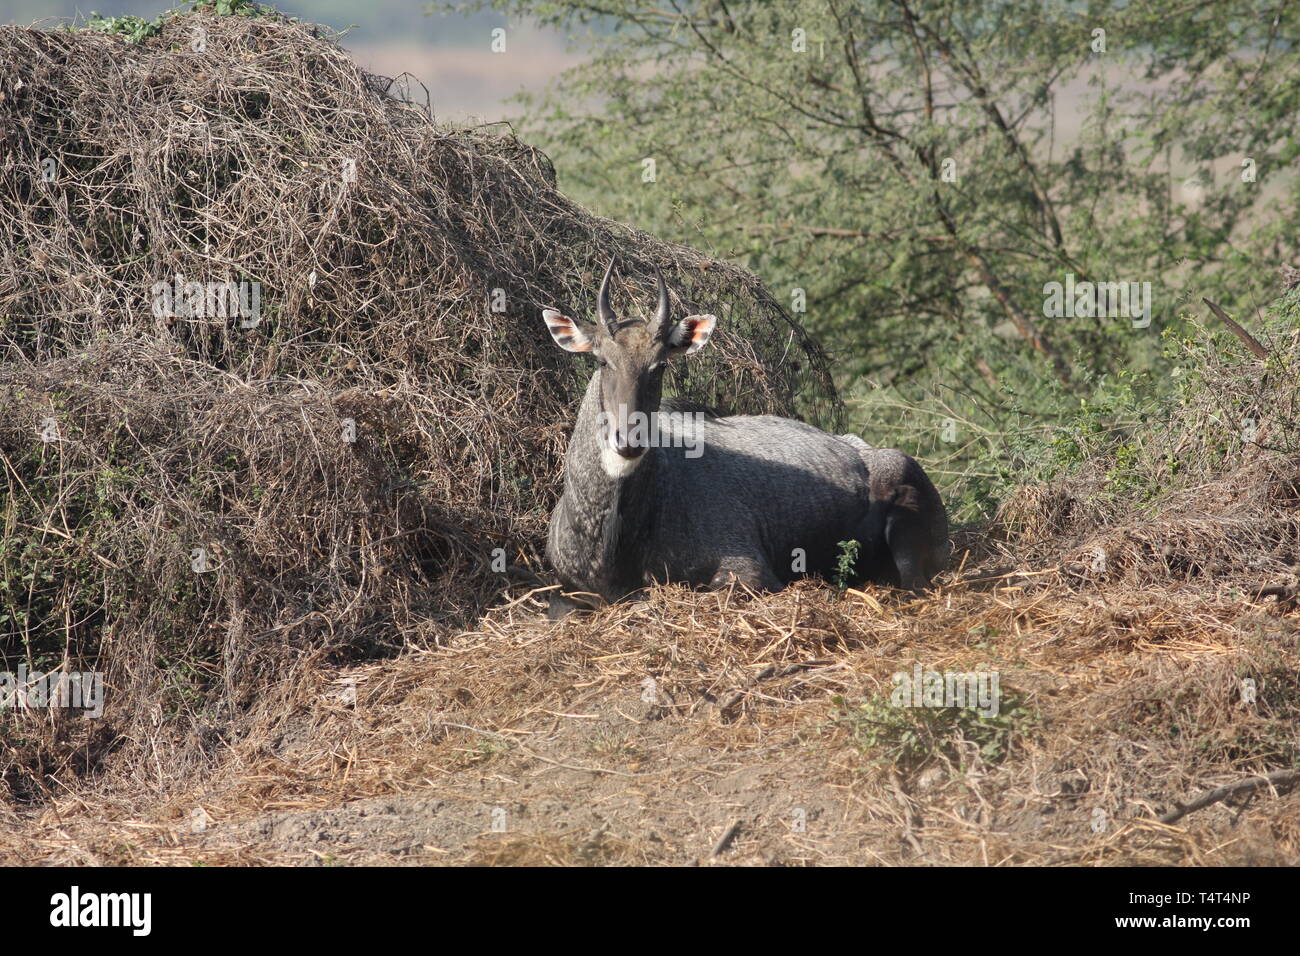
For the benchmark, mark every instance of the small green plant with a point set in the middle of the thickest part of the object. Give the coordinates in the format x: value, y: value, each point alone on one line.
x: 846, y: 563
x: 1125, y: 477
x: 129, y: 28
x: 134, y: 29
x: 909, y: 739
x: 487, y: 748
x: 611, y: 743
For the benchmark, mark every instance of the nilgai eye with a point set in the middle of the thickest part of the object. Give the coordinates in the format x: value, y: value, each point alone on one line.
x: 602, y: 363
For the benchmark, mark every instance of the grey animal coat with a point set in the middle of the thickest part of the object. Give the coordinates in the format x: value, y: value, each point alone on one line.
x: 768, y: 500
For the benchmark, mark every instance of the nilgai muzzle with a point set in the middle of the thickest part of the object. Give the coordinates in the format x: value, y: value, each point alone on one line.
x: 674, y: 492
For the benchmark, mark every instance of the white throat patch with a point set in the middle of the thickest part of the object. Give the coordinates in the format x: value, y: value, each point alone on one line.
x: 616, y: 466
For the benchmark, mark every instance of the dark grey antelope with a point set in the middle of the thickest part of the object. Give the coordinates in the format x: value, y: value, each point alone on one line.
x: 689, y: 496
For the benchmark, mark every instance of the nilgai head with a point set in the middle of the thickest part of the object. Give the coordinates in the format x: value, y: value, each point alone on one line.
x: 630, y: 355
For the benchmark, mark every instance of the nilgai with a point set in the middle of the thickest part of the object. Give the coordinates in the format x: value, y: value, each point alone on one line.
x: 686, y: 495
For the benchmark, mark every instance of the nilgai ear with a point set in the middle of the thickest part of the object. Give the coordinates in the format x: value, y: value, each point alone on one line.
x: 691, y: 333
x: 568, y: 333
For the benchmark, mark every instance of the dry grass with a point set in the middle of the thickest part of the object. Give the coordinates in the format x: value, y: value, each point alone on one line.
x: 1135, y: 696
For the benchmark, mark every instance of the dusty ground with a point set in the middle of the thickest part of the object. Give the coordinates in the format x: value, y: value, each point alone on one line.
x: 700, y: 729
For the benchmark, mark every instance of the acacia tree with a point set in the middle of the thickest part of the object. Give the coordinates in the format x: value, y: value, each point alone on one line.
x: 913, y: 172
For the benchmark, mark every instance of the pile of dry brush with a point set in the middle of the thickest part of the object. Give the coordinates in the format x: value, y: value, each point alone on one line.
x: 206, y: 505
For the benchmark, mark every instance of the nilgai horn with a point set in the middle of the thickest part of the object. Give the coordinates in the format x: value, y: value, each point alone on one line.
x: 677, y: 493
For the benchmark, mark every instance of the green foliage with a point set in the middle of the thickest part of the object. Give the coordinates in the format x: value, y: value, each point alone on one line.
x: 131, y: 29
x: 134, y: 29
x: 909, y: 739
x: 846, y: 562
x: 919, y: 171
x: 1139, y: 435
